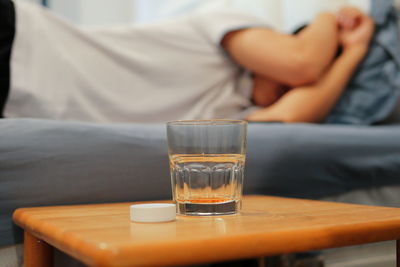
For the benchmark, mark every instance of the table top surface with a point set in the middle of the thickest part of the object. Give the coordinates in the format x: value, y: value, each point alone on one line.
x: 102, y: 234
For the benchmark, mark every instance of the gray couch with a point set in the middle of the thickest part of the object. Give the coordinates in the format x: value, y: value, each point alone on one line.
x: 54, y: 163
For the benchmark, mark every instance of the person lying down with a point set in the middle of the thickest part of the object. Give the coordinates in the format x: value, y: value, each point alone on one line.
x: 191, y: 67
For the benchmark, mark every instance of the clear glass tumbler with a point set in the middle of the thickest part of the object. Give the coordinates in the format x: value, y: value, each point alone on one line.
x: 207, y: 159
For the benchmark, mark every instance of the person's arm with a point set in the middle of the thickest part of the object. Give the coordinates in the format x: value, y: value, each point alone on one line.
x: 289, y: 59
x: 314, y: 102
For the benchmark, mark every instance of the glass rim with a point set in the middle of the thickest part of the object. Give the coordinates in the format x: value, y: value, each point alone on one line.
x: 206, y: 122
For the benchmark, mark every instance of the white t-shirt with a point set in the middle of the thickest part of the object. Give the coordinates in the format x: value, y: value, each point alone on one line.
x: 146, y: 73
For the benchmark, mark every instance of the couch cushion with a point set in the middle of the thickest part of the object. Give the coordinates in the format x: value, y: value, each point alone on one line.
x: 46, y: 162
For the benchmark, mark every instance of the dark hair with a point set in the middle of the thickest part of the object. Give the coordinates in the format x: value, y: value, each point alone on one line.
x: 299, y: 29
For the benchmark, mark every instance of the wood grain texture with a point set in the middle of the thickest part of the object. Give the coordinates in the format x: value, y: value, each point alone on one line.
x: 102, y: 235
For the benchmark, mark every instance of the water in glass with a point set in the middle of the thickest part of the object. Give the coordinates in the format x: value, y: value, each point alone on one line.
x: 207, y: 184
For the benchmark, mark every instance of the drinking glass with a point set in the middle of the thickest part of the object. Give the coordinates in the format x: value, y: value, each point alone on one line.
x: 207, y: 159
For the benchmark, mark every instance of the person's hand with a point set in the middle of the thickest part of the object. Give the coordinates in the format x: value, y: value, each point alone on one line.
x: 349, y: 17
x: 355, y: 27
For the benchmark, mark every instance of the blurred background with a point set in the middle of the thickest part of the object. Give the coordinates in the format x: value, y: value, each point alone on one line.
x: 106, y: 12
x: 282, y: 14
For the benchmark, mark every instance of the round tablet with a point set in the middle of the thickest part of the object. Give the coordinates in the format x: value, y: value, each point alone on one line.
x: 154, y: 212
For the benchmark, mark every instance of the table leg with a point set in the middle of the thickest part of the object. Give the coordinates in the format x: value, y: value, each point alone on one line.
x: 37, y: 253
x: 398, y: 253
x: 261, y: 262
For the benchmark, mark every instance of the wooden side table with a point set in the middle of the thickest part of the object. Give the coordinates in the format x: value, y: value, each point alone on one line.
x: 102, y: 235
